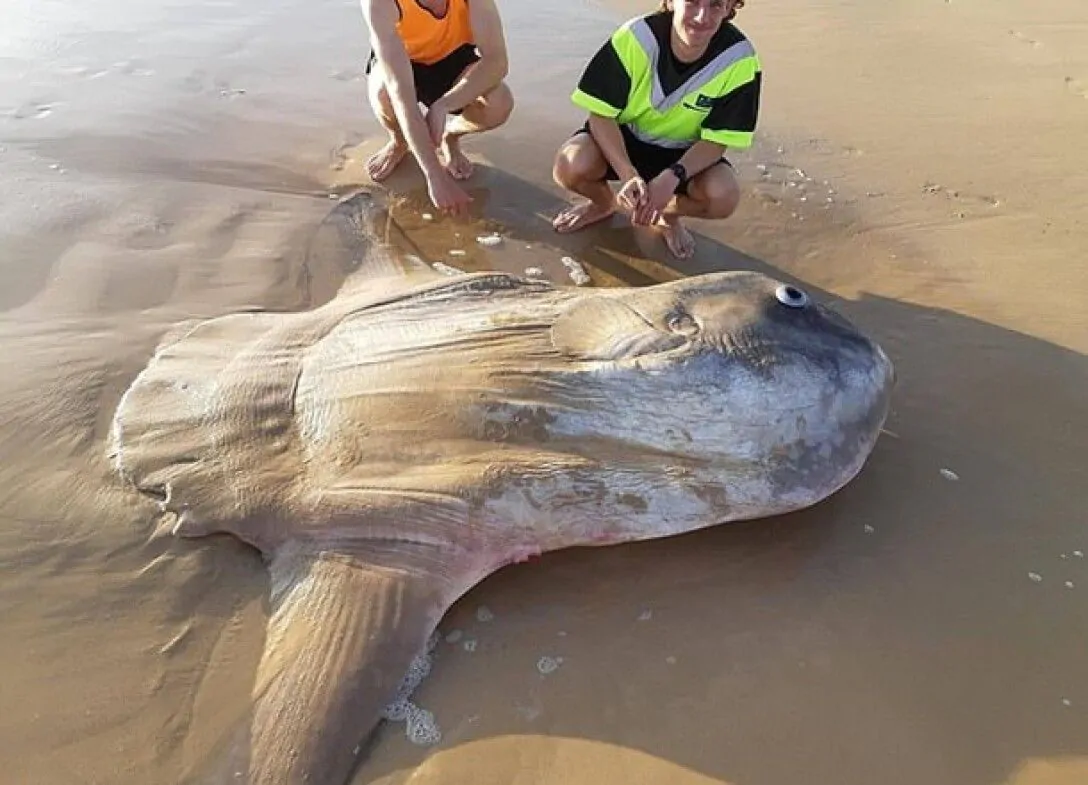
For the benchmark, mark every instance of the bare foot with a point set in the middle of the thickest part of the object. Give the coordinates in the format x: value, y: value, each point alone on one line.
x: 457, y: 164
x: 680, y: 241
x: 380, y: 165
x: 580, y: 216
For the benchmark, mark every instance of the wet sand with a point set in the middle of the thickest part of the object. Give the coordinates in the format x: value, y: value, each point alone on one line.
x: 927, y: 624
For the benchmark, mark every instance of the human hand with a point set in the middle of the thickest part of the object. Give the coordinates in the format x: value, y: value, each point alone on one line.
x: 436, y: 121
x: 632, y: 194
x: 446, y: 194
x: 658, y: 193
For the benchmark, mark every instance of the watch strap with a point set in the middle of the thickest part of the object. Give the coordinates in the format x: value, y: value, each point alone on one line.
x: 680, y: 172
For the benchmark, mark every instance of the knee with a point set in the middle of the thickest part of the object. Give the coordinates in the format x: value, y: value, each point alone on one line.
x: 721, y: 192
x: 492, y: 109
x: 574, y: 163
x: 565, y: 170
x: 501, y: 104
x: 379, y: 95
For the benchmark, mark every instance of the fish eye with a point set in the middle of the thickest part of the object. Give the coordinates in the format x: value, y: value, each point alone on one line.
x: 682, y: 323
x: 791, y: 296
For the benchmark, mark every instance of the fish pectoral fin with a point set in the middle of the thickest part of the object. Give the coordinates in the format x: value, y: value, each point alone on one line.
x: 345, y: 626
x: 604, y: 327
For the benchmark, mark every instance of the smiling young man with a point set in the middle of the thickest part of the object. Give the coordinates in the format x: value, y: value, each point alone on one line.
x: 449, y: 55
x: 667, y: 95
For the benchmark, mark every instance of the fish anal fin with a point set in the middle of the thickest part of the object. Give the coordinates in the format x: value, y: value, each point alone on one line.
x: 345, y: 626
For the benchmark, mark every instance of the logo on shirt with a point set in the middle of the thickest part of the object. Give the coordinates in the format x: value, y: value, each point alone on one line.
x: 703, y: 103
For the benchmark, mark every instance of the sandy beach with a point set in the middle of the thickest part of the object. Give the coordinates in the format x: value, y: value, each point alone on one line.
x: 919, y: 164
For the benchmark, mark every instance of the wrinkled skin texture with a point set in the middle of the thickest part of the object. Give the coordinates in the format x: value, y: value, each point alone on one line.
x: 392, y: 448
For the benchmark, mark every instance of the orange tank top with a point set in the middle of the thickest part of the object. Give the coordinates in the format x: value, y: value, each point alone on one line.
x: 429, y: 38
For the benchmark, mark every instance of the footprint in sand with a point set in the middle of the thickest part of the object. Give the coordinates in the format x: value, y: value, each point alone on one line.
x: 348, y: 153
x: 959, y: 196
x: 1021, y: 37
x: 200, y: 82
x: 1076, y: 86
x: 133, y: 68
x: 32, y: 111
x: 82, y: 71
x: 226, y: 91
x: 348, y: 75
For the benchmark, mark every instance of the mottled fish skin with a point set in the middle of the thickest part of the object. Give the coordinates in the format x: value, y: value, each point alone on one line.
x: 393, y: 447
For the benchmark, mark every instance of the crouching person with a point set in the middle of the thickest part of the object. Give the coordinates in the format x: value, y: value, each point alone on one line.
x: 667, y: 95
x: 450, y: 56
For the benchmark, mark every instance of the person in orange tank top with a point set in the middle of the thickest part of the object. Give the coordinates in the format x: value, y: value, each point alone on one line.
x: 450, y: 56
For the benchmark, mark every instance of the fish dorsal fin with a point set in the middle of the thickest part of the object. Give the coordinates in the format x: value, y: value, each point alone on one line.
x: 605, y: 327
x: 360, y: 240
x: 344, y: 629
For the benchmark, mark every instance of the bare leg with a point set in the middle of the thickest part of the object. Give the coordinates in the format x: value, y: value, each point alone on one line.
x: 580, y: 166
x: 713, y: 193
x: 380, y: 165
x: 488, y: 111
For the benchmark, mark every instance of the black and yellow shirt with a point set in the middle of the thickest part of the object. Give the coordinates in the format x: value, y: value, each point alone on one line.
x: 637, y: 80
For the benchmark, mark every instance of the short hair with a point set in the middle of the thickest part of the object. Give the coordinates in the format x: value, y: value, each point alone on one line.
x: 664, y: 6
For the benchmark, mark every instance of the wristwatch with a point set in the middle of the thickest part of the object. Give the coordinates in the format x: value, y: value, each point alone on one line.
x: 680, y: 172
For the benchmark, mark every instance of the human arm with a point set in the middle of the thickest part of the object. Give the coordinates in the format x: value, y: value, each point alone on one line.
x: 396, y: 70
x: 602, y: 91
x: 633, y: 192
x: 661, y: 189
x: 493, y: 66
x: 606, y: 133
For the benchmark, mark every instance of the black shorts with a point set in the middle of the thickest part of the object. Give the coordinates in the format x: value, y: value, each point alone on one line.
x: 649, y: 160
x: 434, y: 81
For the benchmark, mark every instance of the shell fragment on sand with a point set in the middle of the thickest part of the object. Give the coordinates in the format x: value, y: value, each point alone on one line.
x: 548, y: 665
x: 577, y: 272
x: 446, y: 269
